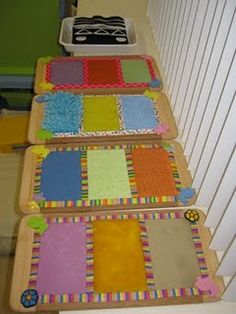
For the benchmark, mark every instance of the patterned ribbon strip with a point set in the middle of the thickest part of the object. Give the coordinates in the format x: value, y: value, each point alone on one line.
x: 85, y: 202
x: 151, y: 294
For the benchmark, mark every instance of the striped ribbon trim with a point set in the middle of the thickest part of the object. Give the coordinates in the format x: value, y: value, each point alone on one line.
x: 199, y: 250
x: 139, y: 216
x: 67, y: 149
x: 131, y: 174
x: 107, y: 147
x: 34, y: 261
x: 107, y: 202
x: 89, y: 258
x: 147, y: 255
x: 37, y: 175
x: 84, y: 175
x: 119, y: 296
x: 174, y: 171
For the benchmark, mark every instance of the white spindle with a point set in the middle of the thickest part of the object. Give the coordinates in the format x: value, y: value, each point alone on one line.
x: 227, y: 265
x: 170, y: 70
x: 218, y: 102
x: 189, y: 87
x: 159, y: 22
x: 201, y: 64
x: 192, y: 46
x: 164, y: 38
x: 213, y: 123
x: 223, y: 195
x: 219, y: 161
x: 170, y: 30
x: 177, y: 57
x: 185, y: 50
x: 162, y: 24
x: 173, y: 40
x: 196, y: 41
x: 226, y: 229
x: 230, y: 291
x: 209, y: 78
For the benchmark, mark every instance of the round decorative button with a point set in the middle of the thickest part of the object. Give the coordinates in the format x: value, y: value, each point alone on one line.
x: 29, y: 298
x: 192, y: 215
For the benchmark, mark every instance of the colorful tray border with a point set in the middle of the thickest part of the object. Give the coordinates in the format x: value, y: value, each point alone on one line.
x: 85, y: 61
x: 104, y: 202
x: 122, y: 131
x: 151, y: 294
x: 44, y: 86
x: 161, y: 107
x: 23, y: 257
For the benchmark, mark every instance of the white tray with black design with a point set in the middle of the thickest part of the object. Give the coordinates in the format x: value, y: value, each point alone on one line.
x: 66, y: 39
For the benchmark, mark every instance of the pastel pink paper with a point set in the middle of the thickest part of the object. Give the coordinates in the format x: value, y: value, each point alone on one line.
x: 62, y: 259
x: 162, y: 129
x: 207, y: 284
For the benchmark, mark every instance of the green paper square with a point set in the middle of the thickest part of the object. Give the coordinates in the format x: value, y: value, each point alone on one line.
x: 107, y: 174
x: 135, y: 71
x: 100, y: 114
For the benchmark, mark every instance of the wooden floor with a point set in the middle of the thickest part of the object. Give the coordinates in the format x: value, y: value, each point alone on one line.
x: 6, y: 268
x: 10, y: 177
x: 10, y: 168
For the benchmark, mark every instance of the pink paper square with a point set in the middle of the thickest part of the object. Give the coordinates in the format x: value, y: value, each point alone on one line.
x: 62, y: 259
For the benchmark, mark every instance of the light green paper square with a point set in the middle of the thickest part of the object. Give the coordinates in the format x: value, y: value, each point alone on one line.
x: 107, y: 174
x: 100, y: 114
x: 135, y: 71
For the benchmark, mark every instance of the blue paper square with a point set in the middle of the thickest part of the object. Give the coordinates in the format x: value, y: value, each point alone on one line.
x: 61, y: 176
x: 138, y: 112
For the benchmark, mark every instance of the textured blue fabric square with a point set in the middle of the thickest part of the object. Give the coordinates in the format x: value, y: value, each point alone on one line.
x: 63, y: 112
x: 138, y: 112
x: 61, y: 176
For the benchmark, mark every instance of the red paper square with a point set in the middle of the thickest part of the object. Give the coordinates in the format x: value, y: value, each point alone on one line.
x: 102, y: 72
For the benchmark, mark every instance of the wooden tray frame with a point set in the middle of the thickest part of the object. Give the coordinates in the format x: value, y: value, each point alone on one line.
x: 23, y: 261
x: 41, y: 73
x: 164, y: 112
x: 26, y: 193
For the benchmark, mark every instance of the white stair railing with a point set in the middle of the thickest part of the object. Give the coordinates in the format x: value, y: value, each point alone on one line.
x: 196, y: 41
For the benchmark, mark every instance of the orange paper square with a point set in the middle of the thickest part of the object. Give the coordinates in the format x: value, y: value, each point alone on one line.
x: 153, y: 173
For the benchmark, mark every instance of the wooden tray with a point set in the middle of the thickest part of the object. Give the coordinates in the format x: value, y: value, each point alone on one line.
x: 154, y: 258
x: 162, y: 112
x: 125, y: 175
x: 97, y: 75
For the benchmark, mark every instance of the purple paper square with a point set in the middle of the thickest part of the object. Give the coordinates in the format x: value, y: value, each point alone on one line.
x: 62, y: 259
x: 67, y: 72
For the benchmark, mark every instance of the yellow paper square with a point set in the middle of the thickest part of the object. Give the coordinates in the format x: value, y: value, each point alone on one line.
x: 100, y: 114
x: 118, y: 256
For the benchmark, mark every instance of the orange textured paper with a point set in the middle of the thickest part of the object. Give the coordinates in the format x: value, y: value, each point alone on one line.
x: 118, y: 256
x: 153, y: 173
